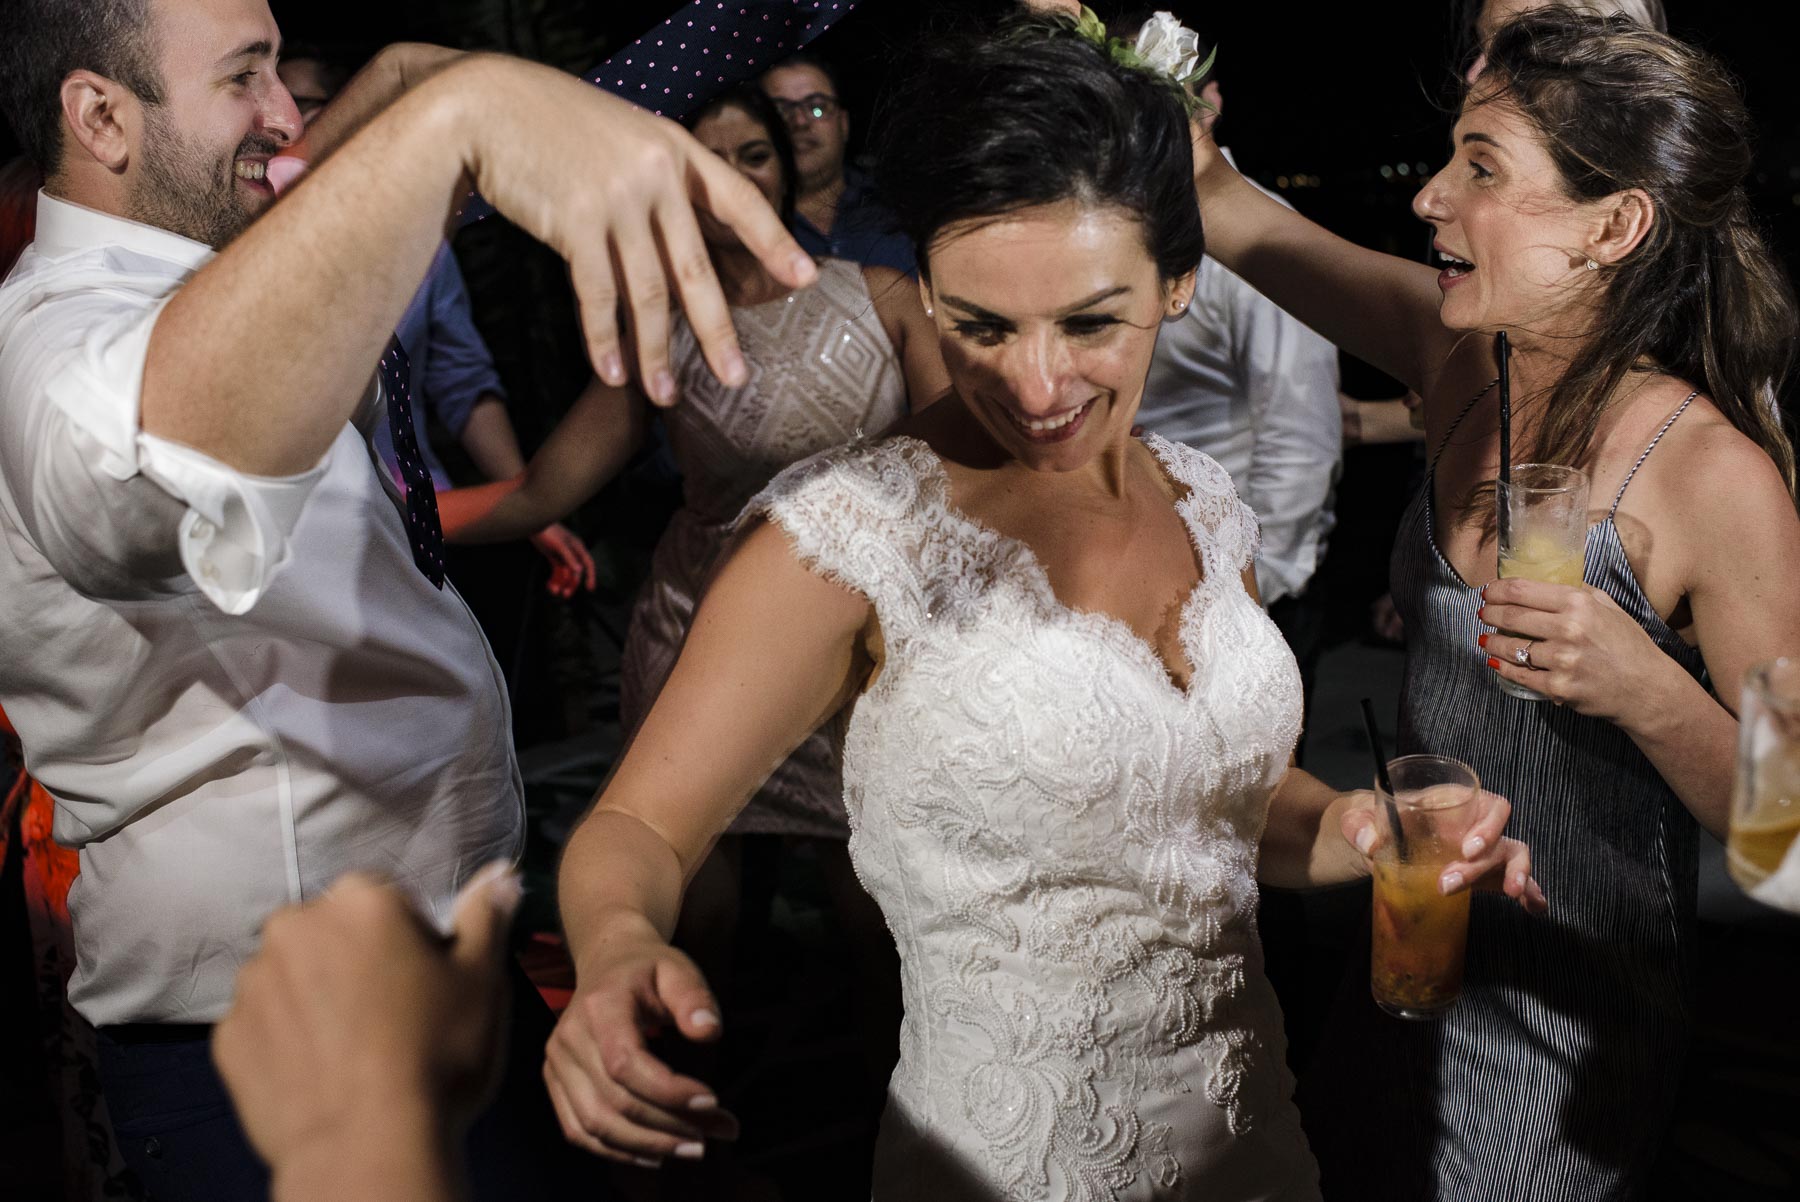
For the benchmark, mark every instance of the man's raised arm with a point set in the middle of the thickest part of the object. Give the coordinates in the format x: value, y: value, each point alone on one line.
x: 260, y: 359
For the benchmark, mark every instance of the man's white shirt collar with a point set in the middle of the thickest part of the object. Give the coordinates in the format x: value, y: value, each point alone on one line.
x: 64, y: 228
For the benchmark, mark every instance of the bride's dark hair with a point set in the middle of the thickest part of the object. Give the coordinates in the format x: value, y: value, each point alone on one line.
x: 1032, y: 114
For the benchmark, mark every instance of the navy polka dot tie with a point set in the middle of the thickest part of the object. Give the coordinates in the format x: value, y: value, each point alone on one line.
x: 703, y: 49
x: 423, y: 529
x: 710, y: 45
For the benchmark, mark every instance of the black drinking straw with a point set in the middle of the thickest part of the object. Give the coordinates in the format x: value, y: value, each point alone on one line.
x: 1503, y: 352
x: 1381, y: 778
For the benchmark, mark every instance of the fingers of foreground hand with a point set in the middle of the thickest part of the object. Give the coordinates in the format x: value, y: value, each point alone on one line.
x: 1358, y: 826
x: 1485, y: 833
x: 600, y: 1037
x: 736, y: 203
x: 1505, y: 869
x: 600, y: 1116
x: 570, y: 1118
x: 683, y: 990
x: 597, y: 298
x: 702, y: 301
x: 583, y: 561
x: 1521, y: 620
x: 661, y: 1116
x: 647, y: 297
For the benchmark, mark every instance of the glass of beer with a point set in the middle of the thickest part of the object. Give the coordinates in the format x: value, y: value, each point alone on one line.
x: 1419, y: 935
x: 1543, y: 532
x: 1765, y: 803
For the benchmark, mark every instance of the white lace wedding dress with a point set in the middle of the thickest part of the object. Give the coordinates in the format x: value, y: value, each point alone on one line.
x: 1064, y: 844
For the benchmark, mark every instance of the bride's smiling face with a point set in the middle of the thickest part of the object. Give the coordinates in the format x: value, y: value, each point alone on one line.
x: 1048, y: 317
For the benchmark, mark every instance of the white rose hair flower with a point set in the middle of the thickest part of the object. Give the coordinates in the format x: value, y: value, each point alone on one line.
x: 1164, y: 47
x: 1165, y: 44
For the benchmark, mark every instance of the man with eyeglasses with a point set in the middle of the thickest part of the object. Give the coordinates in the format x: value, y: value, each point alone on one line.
x: 834, y: 213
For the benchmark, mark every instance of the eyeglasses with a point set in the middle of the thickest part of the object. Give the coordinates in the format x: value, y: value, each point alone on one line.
x: 815, y: 107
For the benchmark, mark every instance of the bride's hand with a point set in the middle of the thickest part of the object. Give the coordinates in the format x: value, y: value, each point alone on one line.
x: 1491, y: 863
x: 611, y: 1095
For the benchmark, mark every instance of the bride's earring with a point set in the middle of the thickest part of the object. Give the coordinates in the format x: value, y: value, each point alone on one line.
x: 1592, y: 265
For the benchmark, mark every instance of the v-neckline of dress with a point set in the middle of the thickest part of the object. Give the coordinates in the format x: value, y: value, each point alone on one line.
x: 1107, y: 627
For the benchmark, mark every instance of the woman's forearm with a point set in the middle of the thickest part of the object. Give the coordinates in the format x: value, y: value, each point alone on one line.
x: 620, y: 881
x: 1302, y: 844
x: 1691, y: 741
x: 492, y: 513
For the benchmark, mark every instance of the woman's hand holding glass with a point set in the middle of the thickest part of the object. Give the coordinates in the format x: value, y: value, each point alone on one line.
x: 1491, y: 862
x: 1580, y: 649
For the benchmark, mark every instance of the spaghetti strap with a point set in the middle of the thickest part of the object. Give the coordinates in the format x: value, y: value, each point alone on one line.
x: 1679, y: 410
x: 1445, y: 440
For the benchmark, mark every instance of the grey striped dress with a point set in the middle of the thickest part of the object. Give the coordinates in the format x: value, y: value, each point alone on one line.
x: 1554, y: 1077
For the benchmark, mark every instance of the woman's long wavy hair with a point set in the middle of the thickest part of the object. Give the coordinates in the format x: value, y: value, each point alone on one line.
x: 1702, y: 297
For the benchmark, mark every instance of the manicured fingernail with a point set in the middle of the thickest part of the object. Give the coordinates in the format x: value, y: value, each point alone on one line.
x: 737, y: 372
x: 1450, y: 882
x: 804, y: 268
x: 704, y: 1018
x: 612, y: 368
x: 662, y: 386
x: 646, y: 1162
x: 1481, y: 640
x: 1492, y: 662
x: 1365, y: 839
x: 690, y: 1151
x: 704, y: 1102
x: 1481, y: 614
x: 1472, y: 846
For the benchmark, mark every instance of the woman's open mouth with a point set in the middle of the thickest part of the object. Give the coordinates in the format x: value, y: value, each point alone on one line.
x: 1056, y: 428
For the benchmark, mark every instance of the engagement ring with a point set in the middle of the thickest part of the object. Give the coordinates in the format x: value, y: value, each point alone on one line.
x: 1522, y: 656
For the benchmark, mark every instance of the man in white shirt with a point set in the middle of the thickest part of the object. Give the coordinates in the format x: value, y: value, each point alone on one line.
x: 1238, y: 378
x: 218, y: 642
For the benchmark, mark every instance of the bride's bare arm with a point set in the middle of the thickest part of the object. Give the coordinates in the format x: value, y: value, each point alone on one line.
x: 775, y: 650
x: 1379, y: 307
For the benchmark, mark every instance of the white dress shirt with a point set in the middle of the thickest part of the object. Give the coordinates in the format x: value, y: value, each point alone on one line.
x: 236, y: 688
x: 1238, y: 378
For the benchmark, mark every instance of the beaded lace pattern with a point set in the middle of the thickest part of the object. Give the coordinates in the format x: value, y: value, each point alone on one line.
x: 1063, y: 841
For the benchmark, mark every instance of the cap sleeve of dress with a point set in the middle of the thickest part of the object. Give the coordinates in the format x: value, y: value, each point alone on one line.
x: 856, y: 515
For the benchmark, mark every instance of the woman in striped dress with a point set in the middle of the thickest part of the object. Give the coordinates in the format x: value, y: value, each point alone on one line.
x: 1593, y: 210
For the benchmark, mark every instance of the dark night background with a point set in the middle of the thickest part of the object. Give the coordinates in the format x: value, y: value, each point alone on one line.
x: 1327, y: 90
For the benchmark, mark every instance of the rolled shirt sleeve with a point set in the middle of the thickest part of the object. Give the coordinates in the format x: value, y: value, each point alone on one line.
x: 458, y: 369
x: 120, y: 513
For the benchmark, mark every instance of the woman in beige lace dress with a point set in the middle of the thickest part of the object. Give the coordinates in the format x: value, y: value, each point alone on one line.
x: 848, y: 356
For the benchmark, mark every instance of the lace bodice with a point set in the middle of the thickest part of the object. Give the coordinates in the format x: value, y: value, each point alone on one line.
x: 1064, y: 844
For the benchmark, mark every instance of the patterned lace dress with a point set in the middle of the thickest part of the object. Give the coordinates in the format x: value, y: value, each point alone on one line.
x: 822, y: 371
x: 1064, y: 845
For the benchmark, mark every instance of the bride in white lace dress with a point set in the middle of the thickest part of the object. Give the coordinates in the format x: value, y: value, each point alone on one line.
x: 1069, y: 721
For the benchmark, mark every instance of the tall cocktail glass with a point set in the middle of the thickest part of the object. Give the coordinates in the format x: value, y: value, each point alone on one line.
x: 1543, y: 532
x: 1419, y: 935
